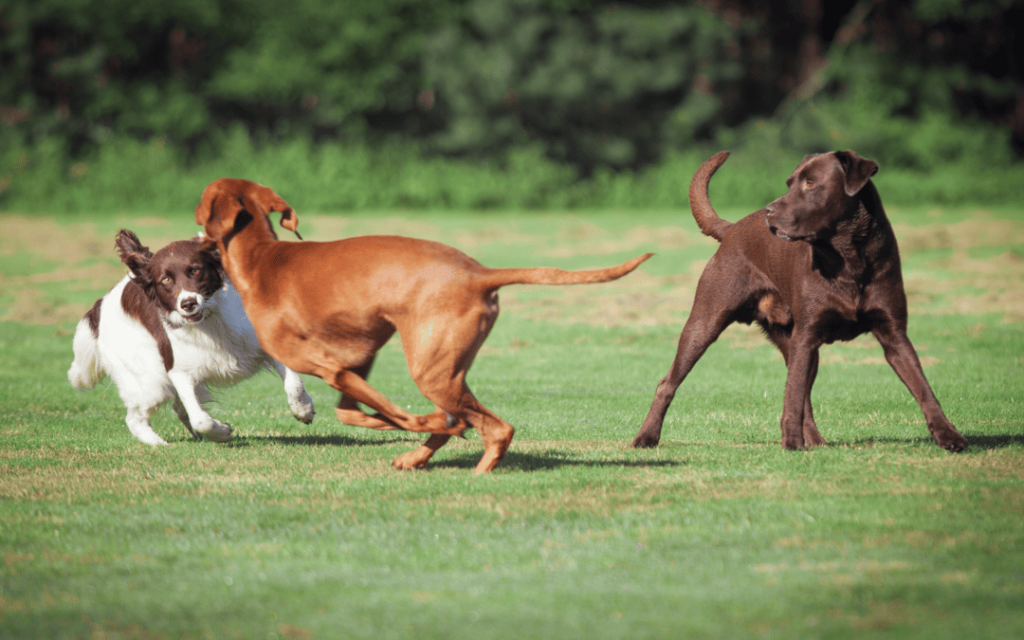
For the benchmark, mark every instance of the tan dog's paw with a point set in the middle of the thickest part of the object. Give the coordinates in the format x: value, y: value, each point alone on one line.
x: 409, y: 461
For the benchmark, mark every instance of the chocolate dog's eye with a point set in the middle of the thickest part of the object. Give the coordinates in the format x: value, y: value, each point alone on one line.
x: 167, y: 280
x: 193, y: 272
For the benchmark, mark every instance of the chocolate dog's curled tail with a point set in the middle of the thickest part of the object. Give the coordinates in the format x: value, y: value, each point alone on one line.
x: 708, y: 221
x: 495, y: 278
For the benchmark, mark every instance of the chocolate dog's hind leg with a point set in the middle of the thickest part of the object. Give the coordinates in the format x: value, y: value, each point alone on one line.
x: 710, y: 315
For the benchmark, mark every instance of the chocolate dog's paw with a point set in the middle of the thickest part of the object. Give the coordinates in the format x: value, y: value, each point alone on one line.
x: 812, y: 438
x: 953, y: 442
x: 793, y: 444
x: 643, y: 441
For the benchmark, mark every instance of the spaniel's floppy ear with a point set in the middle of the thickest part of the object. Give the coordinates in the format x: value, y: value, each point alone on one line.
x: 858, y: 171
x: 135, y: 256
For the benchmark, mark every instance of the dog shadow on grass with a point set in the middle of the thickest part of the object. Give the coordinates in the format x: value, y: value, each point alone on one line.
x: 974, y: 442
x: 994, y: 442
x: 317, y: 440
x: 520, y: 461
x: 546, y: 461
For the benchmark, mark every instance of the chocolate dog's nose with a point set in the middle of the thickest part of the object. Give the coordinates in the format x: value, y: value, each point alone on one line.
x: 188, y: 305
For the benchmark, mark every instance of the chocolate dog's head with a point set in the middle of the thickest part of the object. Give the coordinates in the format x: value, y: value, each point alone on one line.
x: 228, y: 205
x: 822, y: 191
x: 179, y: 279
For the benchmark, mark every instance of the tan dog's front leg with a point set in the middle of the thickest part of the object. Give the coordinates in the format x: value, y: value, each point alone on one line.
x: 357, y: 418
x: 349, y: 413
x: 356, y: 389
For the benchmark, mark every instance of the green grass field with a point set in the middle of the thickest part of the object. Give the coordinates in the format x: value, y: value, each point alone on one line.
x: 295, y: 531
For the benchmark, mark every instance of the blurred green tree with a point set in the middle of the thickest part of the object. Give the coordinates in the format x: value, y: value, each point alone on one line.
x: 920, y: 84
x: 594, y: 85
x: 609, y: 85
x: 84, y: 71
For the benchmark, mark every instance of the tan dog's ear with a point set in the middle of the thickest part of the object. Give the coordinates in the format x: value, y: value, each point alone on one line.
x: 858, y: 171
x: 210, y: 212
x: 204, y: 209
x: 269, y: 201
x: 290, y: 221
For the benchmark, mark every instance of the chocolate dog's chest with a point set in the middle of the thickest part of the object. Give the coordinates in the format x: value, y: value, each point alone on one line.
x: 836, y: 311
x: 830, y: 323
x: 833, y: 327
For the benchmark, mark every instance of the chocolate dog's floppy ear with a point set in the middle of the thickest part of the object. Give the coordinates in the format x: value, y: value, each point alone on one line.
x: 858, y: 171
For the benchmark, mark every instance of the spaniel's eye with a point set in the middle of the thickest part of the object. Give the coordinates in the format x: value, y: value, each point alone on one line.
x: 193, y: 272
x: 166, y: 281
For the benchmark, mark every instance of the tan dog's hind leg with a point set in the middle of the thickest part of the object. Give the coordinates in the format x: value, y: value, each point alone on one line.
x: 496, y: 434
x: 438, y: 363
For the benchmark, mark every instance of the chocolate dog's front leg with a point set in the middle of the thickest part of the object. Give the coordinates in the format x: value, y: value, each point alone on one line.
x: 781, y: 339
x: 812, y: 437
x: 902, y: 357
x: 802, y: 363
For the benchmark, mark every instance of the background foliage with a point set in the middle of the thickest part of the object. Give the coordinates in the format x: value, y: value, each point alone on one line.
x: 501, y: 103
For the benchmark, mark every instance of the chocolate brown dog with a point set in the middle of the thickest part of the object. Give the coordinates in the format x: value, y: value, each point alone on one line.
x: 819, y: 264
x: 325, y: 308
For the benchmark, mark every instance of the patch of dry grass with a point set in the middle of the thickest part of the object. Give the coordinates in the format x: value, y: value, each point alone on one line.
x: 71, y: 257
x: 81, y: 260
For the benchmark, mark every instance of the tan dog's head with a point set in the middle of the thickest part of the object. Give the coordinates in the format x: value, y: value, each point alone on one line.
x: 228, y: 205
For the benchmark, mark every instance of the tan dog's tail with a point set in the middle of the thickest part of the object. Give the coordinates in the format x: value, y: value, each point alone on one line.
x: 495, y: 278
x: 708, y: 221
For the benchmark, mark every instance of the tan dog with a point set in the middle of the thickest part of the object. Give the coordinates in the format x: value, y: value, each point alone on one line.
x: 325, y: 308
